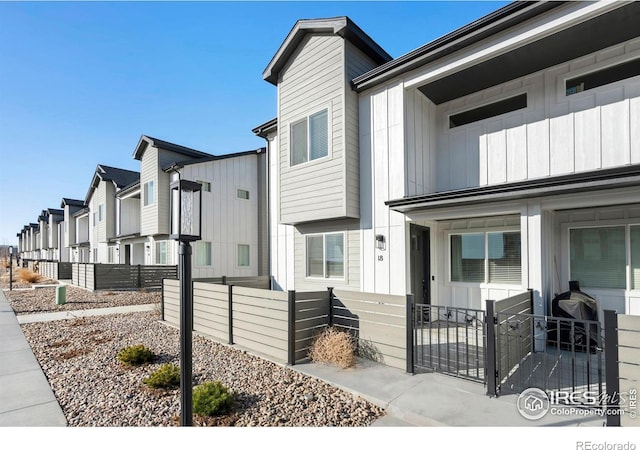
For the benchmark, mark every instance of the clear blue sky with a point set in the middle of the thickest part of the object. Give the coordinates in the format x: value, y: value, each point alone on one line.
x: 80, y: 82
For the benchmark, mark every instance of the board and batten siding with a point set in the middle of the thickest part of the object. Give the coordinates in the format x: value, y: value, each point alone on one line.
x: 226, y: 219
x: 129, y: 216
x: 554, y: 135
x: 314, y: 79
x: 351, y: 280
x: 154, y: 219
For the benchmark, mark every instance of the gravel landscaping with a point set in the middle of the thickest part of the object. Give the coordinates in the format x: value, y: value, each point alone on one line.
x: 78, y: 357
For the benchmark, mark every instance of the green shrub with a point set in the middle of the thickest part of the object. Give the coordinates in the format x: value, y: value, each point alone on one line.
x: 212, y: 399
x: 166, y: 377
x: 135, y: 355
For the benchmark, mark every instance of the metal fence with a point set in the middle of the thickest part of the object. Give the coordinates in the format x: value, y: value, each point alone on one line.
x: 450, y: 340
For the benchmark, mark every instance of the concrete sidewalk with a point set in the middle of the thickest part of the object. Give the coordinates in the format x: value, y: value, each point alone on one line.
x: 26, y: 399
x: 429, y: 399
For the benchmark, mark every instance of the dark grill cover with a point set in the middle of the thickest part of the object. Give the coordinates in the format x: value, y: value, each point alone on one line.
x: 573, y: 304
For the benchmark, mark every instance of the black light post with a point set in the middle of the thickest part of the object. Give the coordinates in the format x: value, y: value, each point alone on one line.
x: 186, y: 221
x: 11, y: 268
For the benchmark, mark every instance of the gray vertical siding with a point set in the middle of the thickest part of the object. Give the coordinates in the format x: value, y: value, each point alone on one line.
x: 314, y: 80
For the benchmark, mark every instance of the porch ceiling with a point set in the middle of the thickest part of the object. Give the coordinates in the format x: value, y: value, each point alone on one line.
x: 596, y: 34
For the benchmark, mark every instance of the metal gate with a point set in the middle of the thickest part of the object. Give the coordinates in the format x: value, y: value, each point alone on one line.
x: 549, y: 353
x: 450, y: 340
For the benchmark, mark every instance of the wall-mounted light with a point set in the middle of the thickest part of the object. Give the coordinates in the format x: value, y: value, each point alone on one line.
x: 380, y: 242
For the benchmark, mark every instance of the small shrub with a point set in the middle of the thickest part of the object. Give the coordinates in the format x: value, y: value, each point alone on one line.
x: 212, y: 399
x: 28, y: 276
x: 166, y: 377
x: 334, y: 346
x: 135, y: 355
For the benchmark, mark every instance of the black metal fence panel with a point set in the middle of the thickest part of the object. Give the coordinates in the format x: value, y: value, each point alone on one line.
x: 450, y: 340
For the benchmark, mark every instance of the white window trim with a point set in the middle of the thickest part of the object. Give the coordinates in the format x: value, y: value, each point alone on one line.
x: 324, y: 262
x: 301, y: 117
x: 600, y: 65
x: 237, y: 255
x: 483, y: 284
x: 202, y: 182
x: 195, y: 259
x: 145, y: 193
x: 240, y: 188
x: 615, y: 223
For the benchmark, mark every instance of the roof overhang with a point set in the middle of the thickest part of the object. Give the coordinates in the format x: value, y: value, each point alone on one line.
x: 583, y: 182
x: 578, y: 29
x: 266, y: 128
x: 341, y: 26
x: 146, y: 141
x: 177, y: 165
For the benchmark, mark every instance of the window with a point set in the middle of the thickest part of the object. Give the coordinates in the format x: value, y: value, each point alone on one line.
x: 111, y: 254
x: 148, y: 193
x: 244, y: 194
x: 310, y: 138
x: 203, y: 253
x: 95, y: 219
x: 325, y: 255
x: 243, y: 255
x: 599, y: 78
x: 598, y: 257
x: 95, y: 255
x: 101, y: 212
x: 206, y: 186
x: 486, y: 111
x: 492, y: 257
x: 161, y: 252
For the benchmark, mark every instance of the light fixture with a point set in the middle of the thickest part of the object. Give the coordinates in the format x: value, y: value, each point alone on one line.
x: 380, y: 242
x: 186, y: 202
x: 186, y: 221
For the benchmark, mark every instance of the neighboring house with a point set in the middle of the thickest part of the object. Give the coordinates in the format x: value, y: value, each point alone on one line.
x: 57, y: 249
x: 42, y: 235
x: 70, y: 207
x: 234, y: 214
x: 502, y: 156
x: 81, y: 245
x: 154, y: 154
x: 129, y: 245
x: 102, y: 203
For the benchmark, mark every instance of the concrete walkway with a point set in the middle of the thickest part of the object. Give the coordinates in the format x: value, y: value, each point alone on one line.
x: 430, y: 399
x: 26, y: 399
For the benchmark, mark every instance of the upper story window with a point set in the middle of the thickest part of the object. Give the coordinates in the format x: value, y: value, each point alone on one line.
x: 310, y: 138
x: 599, y: 78
x: 489, y: 110
x: 243, y: 194
x: 148, y: 193
x: 206, y: 186
x: 95, y: 218
x: 244, y: 259
x: 101, y: 212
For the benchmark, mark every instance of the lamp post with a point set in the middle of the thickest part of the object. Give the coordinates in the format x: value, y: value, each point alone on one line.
x: 11, y: 268
x: 186, y: 221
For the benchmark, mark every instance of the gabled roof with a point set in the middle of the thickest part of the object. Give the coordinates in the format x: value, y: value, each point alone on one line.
x: 55, y: 212
x: 128, y: 189
x: 119, y: 177
x: 145, y: 141
x: 71, y: 202
x: 341, y: 26
x: 180, y: 164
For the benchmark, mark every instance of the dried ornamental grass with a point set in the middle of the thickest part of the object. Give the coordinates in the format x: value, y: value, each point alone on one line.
x: 28, y: 276
x: 334, y: 346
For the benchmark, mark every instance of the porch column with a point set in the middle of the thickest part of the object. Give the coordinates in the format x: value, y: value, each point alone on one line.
x: 533, y: 258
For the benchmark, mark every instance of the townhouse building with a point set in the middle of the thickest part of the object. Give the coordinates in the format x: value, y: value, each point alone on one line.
x: 502, y: 156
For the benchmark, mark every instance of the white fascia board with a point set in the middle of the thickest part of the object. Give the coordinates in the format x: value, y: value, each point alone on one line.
x: 539, y: 28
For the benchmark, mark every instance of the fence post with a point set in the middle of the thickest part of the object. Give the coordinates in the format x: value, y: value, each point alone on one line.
x: 291, y: 351
x: 224, y: 279
x: 611, y: 366
x: 162, y: 299
x: 139, y: 277
x: 492, y: 366
x: 230, y: 306
x: 330, y: 316
x: 409, y: 329
x: 95, y: 277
